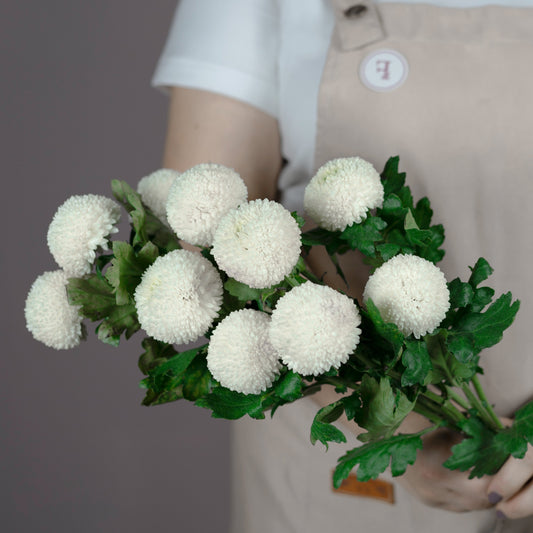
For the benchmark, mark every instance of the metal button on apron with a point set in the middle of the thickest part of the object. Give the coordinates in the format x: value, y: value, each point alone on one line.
x: 384, y: 70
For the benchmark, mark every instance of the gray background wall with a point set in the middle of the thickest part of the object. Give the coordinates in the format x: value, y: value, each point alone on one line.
x: 78, y: 451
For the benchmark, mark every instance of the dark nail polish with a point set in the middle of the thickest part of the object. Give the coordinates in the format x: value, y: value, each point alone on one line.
x: 494, y: 498
x: 500, y: 515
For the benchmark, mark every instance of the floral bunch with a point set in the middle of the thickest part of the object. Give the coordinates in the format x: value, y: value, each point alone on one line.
x: 275, y: 332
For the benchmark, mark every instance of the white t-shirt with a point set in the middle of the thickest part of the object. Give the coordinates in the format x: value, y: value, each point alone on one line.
x: 269, y: 54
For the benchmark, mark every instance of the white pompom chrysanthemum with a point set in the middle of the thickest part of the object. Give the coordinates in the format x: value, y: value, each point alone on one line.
x: 258, y: 243
x: 342, y: 192
x: 314, y: 328
x: 410, y: 292
x: 49, y: 316
x: 79, y: 227
x: 199, y: 198
x: 178, y: 297
x: 154, y: 190
x: 240, y: 355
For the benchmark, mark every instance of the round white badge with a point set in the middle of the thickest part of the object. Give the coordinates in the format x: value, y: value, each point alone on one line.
x: 384, y: 70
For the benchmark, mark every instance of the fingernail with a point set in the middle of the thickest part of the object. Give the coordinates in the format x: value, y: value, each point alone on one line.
x: 494, y: 498
x: 500, y: 515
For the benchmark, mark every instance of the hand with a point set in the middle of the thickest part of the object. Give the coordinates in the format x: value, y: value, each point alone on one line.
x: 512, y: 487
x: 440, y: 487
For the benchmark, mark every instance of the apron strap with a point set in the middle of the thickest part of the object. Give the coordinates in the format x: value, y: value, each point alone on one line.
x: 357, y: 24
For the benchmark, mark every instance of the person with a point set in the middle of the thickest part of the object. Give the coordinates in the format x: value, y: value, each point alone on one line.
x: 276, y: 88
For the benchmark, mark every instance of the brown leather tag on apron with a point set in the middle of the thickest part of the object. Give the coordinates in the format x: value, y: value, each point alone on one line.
x: 376, y: 489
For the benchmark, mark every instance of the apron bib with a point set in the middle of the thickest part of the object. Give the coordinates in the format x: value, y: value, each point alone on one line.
x: 449, y: 90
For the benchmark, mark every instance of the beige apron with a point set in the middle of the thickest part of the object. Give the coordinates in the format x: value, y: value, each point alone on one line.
x: 461, y: 122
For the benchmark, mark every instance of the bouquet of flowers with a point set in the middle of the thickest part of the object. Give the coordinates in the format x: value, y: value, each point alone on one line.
x: 274, y: 331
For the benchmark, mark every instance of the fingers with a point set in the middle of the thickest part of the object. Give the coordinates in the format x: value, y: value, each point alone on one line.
x: 518, y: 506
x: 512, y: 489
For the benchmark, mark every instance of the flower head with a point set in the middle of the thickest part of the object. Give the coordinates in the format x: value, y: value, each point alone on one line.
x: 178, y: 297
x: 342, y: 192
x: 81, y: 225
x: 258, y: 243
x: 314, y: 328
x: 240, y: 355
x: 49, y: 316
x: 200, y: 197
x: 410, y: 292
x: 154, y: 190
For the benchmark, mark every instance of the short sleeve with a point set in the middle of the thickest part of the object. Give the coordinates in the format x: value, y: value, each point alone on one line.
x: 229, y: 47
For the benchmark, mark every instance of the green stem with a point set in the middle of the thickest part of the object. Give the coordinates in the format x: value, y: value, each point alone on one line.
x: 488, y: 407
x: 479, y: 407
x: 457, y: 398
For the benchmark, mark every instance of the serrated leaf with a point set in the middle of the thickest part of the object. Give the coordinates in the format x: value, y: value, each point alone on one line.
x: 393, y: 207
x: 480, y: 272
x: 393, y: 180
x: 352, y: 405
x: 94, y: 295
x: 363, y: 236
x: 121, y: 319
x: 232, y: 405
x: 417, y: 363
x: 423, y: 213
x: 383, y: 409
x: 322, y: 429
x: 487, y: 328
x: 482, y: 297
x: 388, y: 250
x: 373, y: 458
x: 289, y: 386
x: 155, y: 354
x: 461, y: 346
x: 479, y: 452
x: 196, y: 380
x: 461, y: 294
x: 127, y: 268
x: 387, y: 330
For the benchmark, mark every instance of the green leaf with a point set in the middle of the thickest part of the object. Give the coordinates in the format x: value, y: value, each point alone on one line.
x: 393, y: 180
x: 231, y: 405
x: 94, y: 295
x: 373, y: 458
x: 387, y: 330
x: 480, y: 272
x: 383, y: 410
x: 388, y: 250
x: 482, y: 297
x: 423, y: 213
x: 299, y: 220
x: 168, y: 375
x: 121, y: 319
x: 417, y: 363
x: 242, y: 291
x: 523, y: 421
x: 352, y: 405
x: 461, y: 294
x: 289, y: 386
x: 393, y: 207
x: 461, y: 346
x: 363, y: 236
x: 197, y: 381
x: 479, y: 452
x: 487, y: 328
x: 146, y: 226
x: 322, y: 429
x: 127, y: 268
x: 155, y: 354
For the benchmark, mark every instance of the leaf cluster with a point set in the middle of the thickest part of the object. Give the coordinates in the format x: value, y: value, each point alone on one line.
x: 399, y: 226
